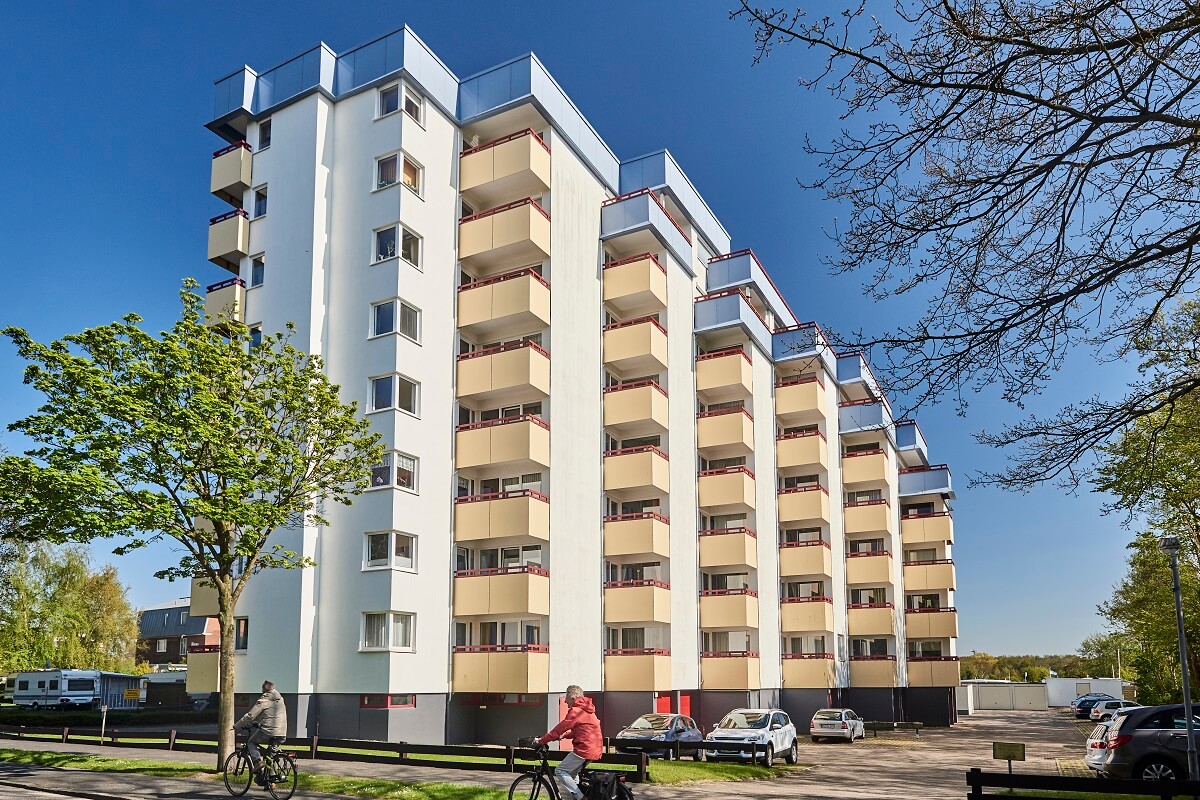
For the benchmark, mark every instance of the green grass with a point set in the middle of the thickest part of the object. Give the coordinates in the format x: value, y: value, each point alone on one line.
x: 673, y: 772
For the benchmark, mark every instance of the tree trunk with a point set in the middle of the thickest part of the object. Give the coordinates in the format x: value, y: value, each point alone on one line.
x: 225, y: 720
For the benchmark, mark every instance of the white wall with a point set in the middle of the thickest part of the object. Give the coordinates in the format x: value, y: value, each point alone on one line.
x: 1061, y: 691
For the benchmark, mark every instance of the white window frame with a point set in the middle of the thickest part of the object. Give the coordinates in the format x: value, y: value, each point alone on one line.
x: 388, y: 627
x: 391, y: 467
x: 394, y: 400
x: 390, y: 561
x: 400, y: 246
x: 396, y: 227
x: 379, y: 112
x: 396, y: 154
x: 397, y: 315
x: 266, y: 122
x: 160, y: 646
x: 250, y: 284
x: 183, y: 645
x: 419, y: 189
x: 262, y: 187
x: 405, y: 93
x: 237, y: 649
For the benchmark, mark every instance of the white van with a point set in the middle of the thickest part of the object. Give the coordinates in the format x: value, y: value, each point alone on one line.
x: 57, y: 688
x: 10, y: 686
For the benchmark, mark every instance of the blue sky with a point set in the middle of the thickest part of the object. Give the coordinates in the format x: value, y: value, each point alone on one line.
x: 107, y: 205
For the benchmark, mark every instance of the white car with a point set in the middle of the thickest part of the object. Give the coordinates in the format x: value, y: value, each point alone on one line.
x: 836, y: 723
x: 1107, y: 709
x: 1097, y: 746
x: 770, y: 728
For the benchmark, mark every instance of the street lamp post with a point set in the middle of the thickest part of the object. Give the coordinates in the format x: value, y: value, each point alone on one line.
x: 1169, y: 545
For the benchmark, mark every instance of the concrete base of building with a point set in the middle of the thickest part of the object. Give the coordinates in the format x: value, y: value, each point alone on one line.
x: 800, y: 704
x: 931, y: 705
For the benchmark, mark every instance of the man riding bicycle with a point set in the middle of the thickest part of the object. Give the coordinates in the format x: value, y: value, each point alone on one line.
x: 270, y: 716
x: 582, y: 727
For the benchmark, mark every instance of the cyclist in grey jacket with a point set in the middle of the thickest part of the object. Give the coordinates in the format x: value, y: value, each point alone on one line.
x: 270, y: 716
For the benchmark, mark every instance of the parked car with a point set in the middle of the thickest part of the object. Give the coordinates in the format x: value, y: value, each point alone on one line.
x: 836, y: 723
x: 770, y: 728
x: 653, y: 733
x: 1091, y: 696
x: 1148, y: 743
x: 1107, y: 709
x: 1097, y: 746
x: 1083, y: 709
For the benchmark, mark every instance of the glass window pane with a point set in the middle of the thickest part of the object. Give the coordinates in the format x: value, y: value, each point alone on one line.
x: 381, y: 393
x: 410, y: 248
x: 377, y: 549
x: 264, y: 134
x: 402, y: 630
x: 260, y: 202
x: 412, y: 175
x: 387, y: 171
x: 406, y: 472
x: 385, y: 318
x: 258, y: 271
x: 412, y: 106
x: 381, y: 472
x: 404, y: 551
x: 407, y: 395
x: 389, y: 100
x: 375, y: 630
x: 385, y: 244
x: 410, y: 322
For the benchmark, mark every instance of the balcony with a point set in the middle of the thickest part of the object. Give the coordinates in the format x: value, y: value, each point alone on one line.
x: 934, y: 528
x: 229, y: 239
x: 809, y: 671
x: 637, y: 670
x: 796, y: 452
x: 726, y: 491
x: 871, y: 619
x: 742, y: 268
x: 636, y: 285
x: 204, y: 599
x: 800, y: 400
x: 856, y: 378
x: 231, y: 173
x: 728, y: 547
x: 728, y: 609
x: 804, y: 504
x: 724, y: 374
x: 735, y: 669
x: 729, y: 309
x: 517, y: 165
x: 516, y: 372
x: 636, y: 346
x: 930, y: 671
x: 637, y: 473
x: 805, y: 558
x: 910, y: 443
x: 935, y: 575
x: 203, y: 668
x: 873, y: 671
x: 637, y: 601
x: 503, y: 237
x: 504, y: 305
x: 501, y: 668
x: 926, y: 480
x: 724, y: 433
x: 225, y: 303
x: 871, y: 414
x: 638, y: 534
x: 803, y: 614
x: 521, y: 444
x: 504, y: 515
x: 931, y: 623
x: 804, y: 343
x: 869, y: 516
x: 502, y: 590
x: 639, y: 221
x: 637, y: 408
x: 869, y: 467
x: 871, y: 567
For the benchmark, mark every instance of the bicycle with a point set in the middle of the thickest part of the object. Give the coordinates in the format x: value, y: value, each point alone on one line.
x: 539, y: 781
x: 281, y: 776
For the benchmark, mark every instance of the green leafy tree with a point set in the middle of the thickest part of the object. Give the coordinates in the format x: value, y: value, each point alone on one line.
x: 192, y: 436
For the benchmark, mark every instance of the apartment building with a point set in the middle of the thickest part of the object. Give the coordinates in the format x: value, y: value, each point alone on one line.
x: 616, y: 456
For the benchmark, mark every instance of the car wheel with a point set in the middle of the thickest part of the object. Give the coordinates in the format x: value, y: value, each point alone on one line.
x: 1159, y: 770
x: 769, y: 756
x: 35, y: 706
x: 699, y: 755
x: 793, y: 753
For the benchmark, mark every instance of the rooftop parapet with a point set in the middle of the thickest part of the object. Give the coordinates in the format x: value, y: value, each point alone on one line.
x: 743, y: 268
x: 659, y: 171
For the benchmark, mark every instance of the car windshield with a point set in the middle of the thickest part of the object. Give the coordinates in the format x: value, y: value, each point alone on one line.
x: 744, y: 719
x: 651, y: 722
x: 827, y: 715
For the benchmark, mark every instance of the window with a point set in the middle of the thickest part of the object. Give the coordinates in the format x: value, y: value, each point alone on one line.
x: 796, y: 535
x: 264, y: 134
x: 183, y: 646
x: 374, y: 631
x: 387, y: 701
x: 54, y: 685
x: 865, y: 545
x: 395, y: 391
x: 81, y: 685
x: 924, y: 601
x: 412, y: 104
x: 868, y: 647
x: 258, y: 270
x: 918, y: 649
x: 183, y: 617
x: 260, y: 202
x: 874, y: 596
x: 160, y: 646
x: 385, y: 171
x: 410, y: 321
x: 405, y: 476
x: 23, y: 686
x: 389, y: 100
x: 256, y: 337
x: 410, y: 247
x: 412, y: 175
x: 385, y: 243
x: 241, y: 633
x: 381, y: 392
x: 924, y: 554
x: 390, y: 549
x: 383, y: 319
x: 387, y: 630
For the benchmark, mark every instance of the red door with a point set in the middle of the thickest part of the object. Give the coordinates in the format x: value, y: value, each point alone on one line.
x: 663, y: 704
x: 685, y: 704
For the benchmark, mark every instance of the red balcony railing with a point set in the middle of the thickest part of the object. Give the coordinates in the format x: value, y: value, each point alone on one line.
x: 857, y: 503
x: 636, y: 651
x: 800, y: 434
x: 225, y: 284
x: 627, y: 323
x: 815, y: 598
x: 530, y: 569
x: 869, y: 605
x: 820, y: 656
x: 636, y: 582
x: 620, y: 387
x: 533, y: 270
x: 726, y: 471
x: 798, y: 379
x: 235, y: 212
x: 507, y: 207
x: 654, y: 197
x: 486, y: 496
x: 934, y: 610
x: 725, y: 351
x: 866, y: 553
x: 491, y: 423
x: 872, y: 658
x: 230, y: 148
x: 720, y: 412
x: 642, y: 448
x: 729, y: 592
x: 510, y: 137
x: 719, y: 531
x: 654, y: 515
x: 504, y: 348
x: 729, y: 654
x: 502, y: 648
x: 872, y: 452
x: 632, y: 259
x: 811, y: 487
x: 809, y: 543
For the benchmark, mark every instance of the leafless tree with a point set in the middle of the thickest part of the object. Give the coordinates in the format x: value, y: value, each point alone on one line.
x: 1030, y: 171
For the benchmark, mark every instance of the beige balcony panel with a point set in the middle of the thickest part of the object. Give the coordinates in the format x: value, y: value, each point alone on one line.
x: 228, y: 242
x: 636, y: 349
x: 871, y: 621
x: 870, y: 518
x: 505, y: 239
x: 203, y: 672
x: 640, y: 673
x: 728, y: 377
x: 807, y: 560
x: 928, y: 577
x: 519, y: 167
x: 933, y: 673
x: 728, y: 550
x: 231, y: 174
x: 802, y: 451
x: 520, y: 445
x: 225, y: 304
x: 507, y: 673
x: 640, y: 475
x: 800, y: 402
x: 809, y: 673
x: 869, y: 569
x: 729, y: 612
x: 631, y: 537
x: 725, y: 435
x: 931, y: 624
x: 881, y: 673
x: 516, y: 593
x: 636, y: 287
x: 204, y: 599
x: 515, y: 376
x: 873, y: 468
x: 509, y: 307
x: 729, y: 672
x: 804, y: 506
x: 504, y: 518
x: 726, y: 493
x: 642, y: 410
x: 637, y: 604
x: 919, y: 530
x: 807, y: 616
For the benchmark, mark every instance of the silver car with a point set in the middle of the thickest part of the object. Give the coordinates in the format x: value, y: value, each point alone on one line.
x: 1097, y: 746
x: 836, y: 723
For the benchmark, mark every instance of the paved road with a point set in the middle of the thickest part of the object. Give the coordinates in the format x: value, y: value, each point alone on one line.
x: 49, y: 783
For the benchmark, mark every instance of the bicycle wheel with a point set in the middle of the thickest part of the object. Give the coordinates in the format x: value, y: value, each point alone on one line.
x: 284, y: 777
x: 238, y: 773
x: 531, y: 785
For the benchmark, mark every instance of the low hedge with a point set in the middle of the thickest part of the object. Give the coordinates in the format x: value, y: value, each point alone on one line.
x: 163, y: 717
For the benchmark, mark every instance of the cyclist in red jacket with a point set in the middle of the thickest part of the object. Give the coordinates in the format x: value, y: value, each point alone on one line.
x: 582, y: 727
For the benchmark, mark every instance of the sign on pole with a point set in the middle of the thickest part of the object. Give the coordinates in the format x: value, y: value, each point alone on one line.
x: 1008, y: 751
x: 133, y: 694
